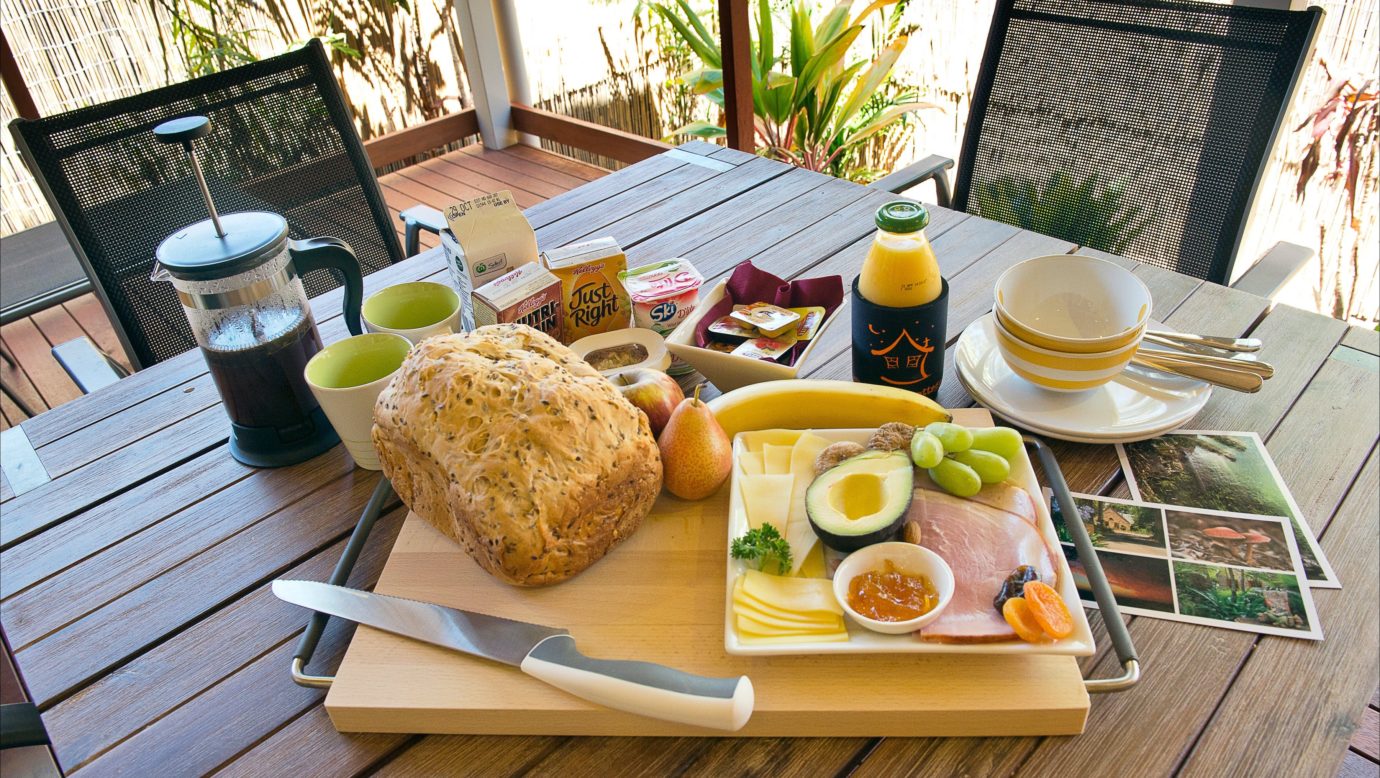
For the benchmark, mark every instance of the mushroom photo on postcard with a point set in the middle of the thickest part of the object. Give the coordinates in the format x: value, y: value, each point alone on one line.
x: 1228, y: 540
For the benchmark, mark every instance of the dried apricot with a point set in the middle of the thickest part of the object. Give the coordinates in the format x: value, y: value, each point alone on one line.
x: 1049, y: 609
x: 1018, y: 615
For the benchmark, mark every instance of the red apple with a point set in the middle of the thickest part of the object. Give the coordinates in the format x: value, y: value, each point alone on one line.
x: 656, y: 393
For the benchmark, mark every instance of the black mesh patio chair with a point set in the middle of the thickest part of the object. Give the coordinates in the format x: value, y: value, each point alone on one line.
x: 1140, y: 127
x: 281, y: 140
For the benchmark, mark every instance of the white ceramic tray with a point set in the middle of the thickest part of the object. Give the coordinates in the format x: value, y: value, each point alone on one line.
x: 864, y: 641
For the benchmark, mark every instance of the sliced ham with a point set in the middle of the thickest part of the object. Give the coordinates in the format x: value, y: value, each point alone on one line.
x: 983, y: 538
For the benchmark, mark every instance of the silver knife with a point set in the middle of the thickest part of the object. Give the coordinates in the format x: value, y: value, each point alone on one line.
x: 545, y: 653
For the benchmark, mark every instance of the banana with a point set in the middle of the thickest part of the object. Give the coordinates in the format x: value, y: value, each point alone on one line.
x: 820, y: 404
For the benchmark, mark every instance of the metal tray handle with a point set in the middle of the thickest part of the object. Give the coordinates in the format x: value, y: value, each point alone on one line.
x: 306, y: 646
x: 1102, y: 591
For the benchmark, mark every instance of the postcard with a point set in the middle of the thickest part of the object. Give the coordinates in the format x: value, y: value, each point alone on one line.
x: 1220, y: 471
x: 1196, y: 566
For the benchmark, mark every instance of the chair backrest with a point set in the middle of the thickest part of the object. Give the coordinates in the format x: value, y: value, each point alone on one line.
x: 1140, y: 127
x: 281, y: 140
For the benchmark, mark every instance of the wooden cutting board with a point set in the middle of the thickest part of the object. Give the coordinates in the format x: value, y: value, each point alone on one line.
x: 659, y: 597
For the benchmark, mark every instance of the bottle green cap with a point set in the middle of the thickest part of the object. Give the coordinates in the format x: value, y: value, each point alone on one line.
x: 902, y: 216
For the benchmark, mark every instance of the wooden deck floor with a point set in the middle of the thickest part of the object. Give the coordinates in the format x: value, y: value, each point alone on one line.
x: 531, y: 174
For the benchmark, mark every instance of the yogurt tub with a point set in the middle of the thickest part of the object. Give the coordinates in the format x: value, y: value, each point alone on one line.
x: 663, y: 294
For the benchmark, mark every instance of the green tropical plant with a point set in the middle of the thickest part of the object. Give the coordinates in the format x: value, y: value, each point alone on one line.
x: 811, y: 108
x: 1084, y: 212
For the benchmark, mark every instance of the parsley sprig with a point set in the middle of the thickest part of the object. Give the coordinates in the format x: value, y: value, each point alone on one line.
x: 766, y: 547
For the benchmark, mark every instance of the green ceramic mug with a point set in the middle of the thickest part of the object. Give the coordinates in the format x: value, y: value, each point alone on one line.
x: 346, y: 378
x: 414, y: 310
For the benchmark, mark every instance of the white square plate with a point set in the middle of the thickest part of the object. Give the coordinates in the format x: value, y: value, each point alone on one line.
x: 864, y: 641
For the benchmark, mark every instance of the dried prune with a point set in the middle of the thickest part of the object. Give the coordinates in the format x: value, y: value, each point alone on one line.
x: 1014, y: 585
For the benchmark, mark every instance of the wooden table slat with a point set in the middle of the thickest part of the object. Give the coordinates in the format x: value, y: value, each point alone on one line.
x: 116, y: 519
x: 176, y: 672
x: 730, y: 215
x: 567, y: 229
x: 704, y: 196
x: 36, y: 510
x: 61, y: 599
x: 1252, y: 724
x: 596, y: 192
x: 64, y: 661
x: 1362, y: 339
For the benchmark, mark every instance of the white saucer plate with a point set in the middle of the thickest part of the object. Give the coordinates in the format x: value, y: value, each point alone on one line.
x: 1136, y: 405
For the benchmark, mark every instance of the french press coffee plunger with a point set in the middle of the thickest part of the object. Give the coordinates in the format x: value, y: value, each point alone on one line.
x: 239, y: 279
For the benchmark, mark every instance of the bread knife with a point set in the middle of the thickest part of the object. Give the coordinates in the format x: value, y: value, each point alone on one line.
x: 546, y: 653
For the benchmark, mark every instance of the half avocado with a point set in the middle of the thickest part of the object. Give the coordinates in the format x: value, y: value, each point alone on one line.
x: 861, y: 500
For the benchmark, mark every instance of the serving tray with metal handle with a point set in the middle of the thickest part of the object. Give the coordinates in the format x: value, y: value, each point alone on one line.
x: 657, y: 598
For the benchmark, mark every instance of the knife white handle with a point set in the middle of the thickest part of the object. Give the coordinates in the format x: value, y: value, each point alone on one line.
x: 642, y: 687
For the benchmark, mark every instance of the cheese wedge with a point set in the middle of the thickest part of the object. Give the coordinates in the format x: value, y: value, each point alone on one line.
x: 750, y: 462
x: 799, y: 534
x: 766, y: 499
x: 814, y: 566
x: 776, y: 459
x: 797, y: 595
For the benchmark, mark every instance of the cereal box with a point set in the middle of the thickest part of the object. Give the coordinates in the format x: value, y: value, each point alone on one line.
x: 593, y: 298
x: 528, y: 295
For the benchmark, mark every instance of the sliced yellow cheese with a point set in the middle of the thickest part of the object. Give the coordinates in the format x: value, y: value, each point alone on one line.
x: 754, y: 441
x: 750, y: 462
x: 799, y: 534
x: 828, y: 624
x: 776, y: 459
x: 813, y: 566
x: 798, y: 595
x: 746, y: 603
x: 751, y: 606
x: 765, y: 500
x: 750, y: 626
x: 824, y: 637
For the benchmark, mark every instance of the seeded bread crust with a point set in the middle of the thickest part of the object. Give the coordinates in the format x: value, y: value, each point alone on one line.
x: 520, y: 451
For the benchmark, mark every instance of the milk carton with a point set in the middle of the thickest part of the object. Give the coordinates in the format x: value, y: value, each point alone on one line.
x: 485, y: 238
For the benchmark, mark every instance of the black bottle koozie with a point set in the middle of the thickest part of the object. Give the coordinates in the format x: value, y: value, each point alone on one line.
x: 900, y: 347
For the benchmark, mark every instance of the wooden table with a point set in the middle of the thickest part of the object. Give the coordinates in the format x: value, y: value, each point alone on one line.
x: 135, y: 579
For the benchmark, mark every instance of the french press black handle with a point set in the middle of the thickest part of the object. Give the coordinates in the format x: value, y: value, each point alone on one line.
x: 335, y: 255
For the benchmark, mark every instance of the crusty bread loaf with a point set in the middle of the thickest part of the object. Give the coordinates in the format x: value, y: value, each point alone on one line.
x: 509, y: 443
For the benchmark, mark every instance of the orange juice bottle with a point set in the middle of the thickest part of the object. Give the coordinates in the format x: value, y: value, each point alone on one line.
x: 900, y: 270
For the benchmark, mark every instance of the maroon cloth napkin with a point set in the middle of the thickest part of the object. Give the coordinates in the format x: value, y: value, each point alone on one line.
x: 749, y: 284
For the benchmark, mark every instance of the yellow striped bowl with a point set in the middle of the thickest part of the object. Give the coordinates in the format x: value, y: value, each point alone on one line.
x: 1061, y: 371
x: 1072, y: 303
